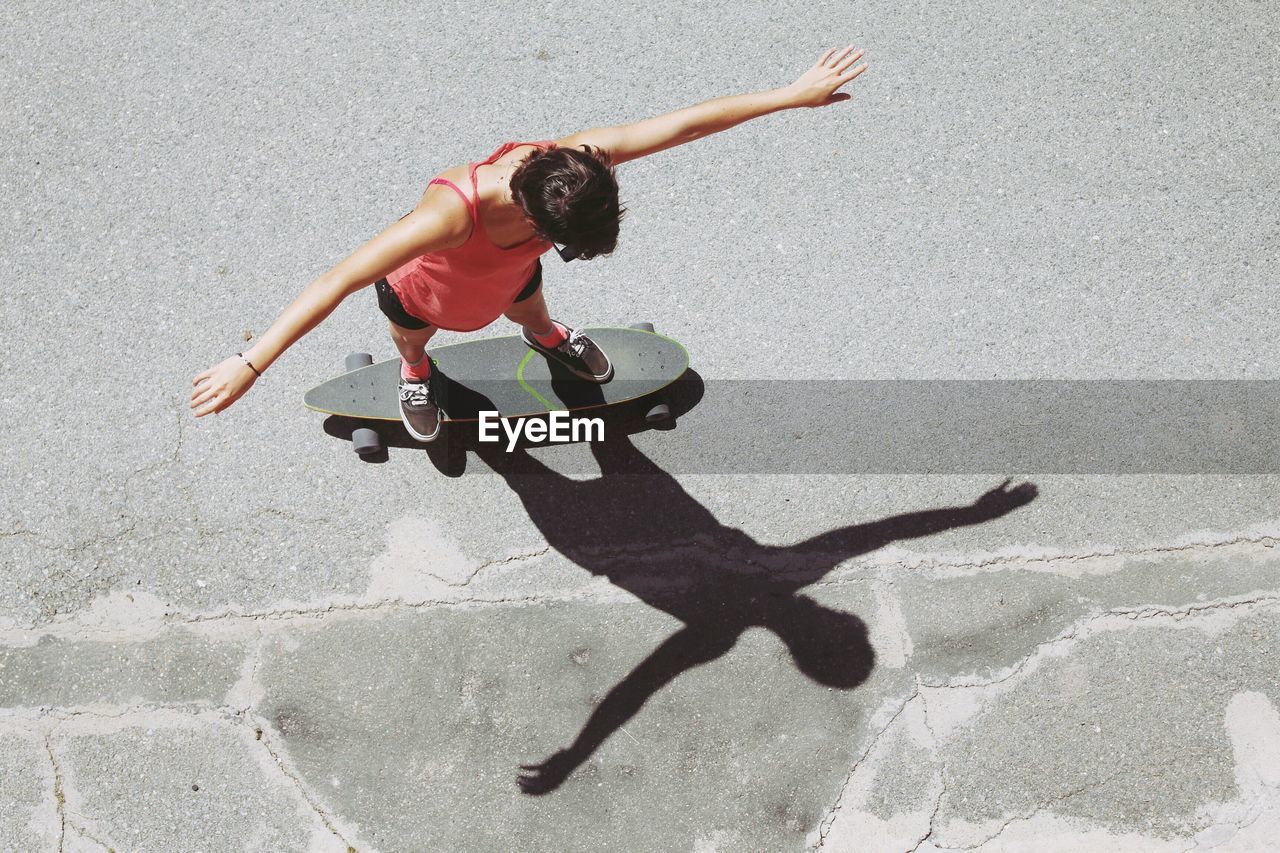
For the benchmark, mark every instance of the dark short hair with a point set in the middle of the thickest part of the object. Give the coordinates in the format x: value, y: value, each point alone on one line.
x: 570, y: 197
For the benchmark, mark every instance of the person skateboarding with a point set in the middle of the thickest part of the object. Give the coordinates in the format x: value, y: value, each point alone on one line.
x: 460, y: 260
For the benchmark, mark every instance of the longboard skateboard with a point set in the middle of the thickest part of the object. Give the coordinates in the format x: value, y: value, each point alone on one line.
x: 504, y: 375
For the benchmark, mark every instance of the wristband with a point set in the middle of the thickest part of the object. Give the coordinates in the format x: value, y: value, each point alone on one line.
x: 257, y: 372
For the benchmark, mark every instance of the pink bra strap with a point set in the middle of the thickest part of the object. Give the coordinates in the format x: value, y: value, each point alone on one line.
x: 467, y: 201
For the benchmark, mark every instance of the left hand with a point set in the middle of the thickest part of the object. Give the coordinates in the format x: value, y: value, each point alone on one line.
x: 817, y: 86
x: 221, y: 385
x: 1003, y: 499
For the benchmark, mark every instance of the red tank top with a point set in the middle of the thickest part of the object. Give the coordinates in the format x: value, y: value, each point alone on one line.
x: 468, y: 287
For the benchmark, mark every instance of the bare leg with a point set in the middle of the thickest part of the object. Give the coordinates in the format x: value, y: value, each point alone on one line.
x: 419, y: 411
x: 587, y: 360
x: 411, y: 342
x: 532, y: 314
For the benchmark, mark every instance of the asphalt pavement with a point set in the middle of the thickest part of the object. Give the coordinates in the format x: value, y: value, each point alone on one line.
x: 738, y: 634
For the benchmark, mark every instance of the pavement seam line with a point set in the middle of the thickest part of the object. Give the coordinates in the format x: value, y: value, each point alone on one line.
x: 636, y: 551
x: 19, y: 638
x: 67, y: 629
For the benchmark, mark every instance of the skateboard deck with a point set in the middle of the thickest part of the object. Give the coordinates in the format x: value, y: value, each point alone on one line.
x: 504, y: 375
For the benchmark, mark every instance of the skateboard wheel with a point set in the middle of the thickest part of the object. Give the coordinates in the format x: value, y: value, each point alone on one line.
x: 644, y: 327
x: 658, y: 413
x: 365, y: 441
x: 357, y: 360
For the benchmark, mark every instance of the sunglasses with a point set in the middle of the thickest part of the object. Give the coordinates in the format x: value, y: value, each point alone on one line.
x: 566, y: 253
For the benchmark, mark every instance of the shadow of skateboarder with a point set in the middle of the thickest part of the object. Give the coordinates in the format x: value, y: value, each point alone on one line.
x: 636, y: 525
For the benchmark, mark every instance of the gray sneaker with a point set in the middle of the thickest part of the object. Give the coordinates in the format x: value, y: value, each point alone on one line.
x: 418, y: 409
x: 578, y: 354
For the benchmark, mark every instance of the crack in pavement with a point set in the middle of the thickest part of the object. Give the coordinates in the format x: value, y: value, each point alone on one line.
x: 241, y: 710
x: 61, y: 714
x: 716, y: 554
x: 68, y: 630
x: 153, y: 713
x: 58, y: 796
x: 1194, y: 845
x: 170, y: 460
x: 869, y: 570
x: 388, y: 605
x: 261, y: 728
x: 1155, y: 611
x: 824, y: 825
x: 1114, y: 618
x: 513, y: 558
x: 705, y: 551
x: 81, y: 828
x: 900, y: 560
x: 1042, y: 807
x: 942, y: 772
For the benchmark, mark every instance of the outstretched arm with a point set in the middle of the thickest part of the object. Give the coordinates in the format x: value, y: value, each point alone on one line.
x: 424, y: 230
x: 857, y: 539
x: 815, y: 88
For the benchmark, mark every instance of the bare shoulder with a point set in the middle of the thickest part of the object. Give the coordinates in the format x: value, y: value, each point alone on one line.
x: 446, y: 206
x: 443, y: 204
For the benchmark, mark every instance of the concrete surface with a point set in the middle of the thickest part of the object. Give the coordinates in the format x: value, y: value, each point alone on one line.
x: 233, y: 634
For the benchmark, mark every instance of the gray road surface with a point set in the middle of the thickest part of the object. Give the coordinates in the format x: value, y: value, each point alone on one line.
x: 232, y: 634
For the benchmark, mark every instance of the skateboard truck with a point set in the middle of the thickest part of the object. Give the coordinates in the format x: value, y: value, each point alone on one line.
x: 660, y: 411
x: 364, y: 441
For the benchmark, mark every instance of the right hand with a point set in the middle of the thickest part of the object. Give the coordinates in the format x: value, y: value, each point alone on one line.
x: 818, y: 86
x: 221, y: 385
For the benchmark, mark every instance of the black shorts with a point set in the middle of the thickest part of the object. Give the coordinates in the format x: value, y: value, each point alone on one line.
x: 391, y: 305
